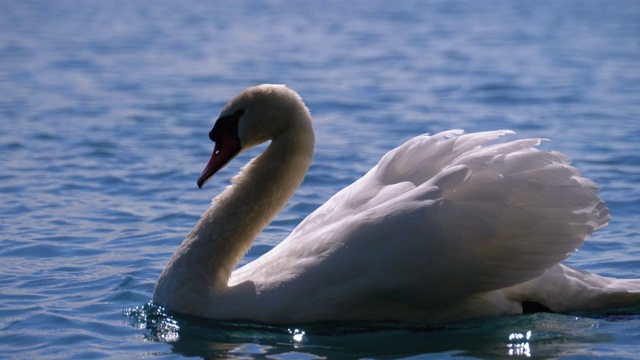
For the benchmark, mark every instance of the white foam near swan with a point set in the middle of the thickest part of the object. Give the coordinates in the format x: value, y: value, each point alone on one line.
x: 445, y: 227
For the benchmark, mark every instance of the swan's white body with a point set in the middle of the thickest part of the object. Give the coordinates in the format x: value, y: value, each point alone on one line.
x: 446, y: 227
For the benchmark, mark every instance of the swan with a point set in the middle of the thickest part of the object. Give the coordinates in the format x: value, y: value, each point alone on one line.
x: 444, y: 228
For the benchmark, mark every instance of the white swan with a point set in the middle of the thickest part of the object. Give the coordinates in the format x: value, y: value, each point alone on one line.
x: 445, y: 227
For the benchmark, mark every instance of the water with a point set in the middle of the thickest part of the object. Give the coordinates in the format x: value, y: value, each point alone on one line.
x: 105, y: 109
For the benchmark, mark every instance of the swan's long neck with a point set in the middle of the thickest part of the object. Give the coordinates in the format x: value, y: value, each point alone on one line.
x: 227, y: 229
x: 236, y: 217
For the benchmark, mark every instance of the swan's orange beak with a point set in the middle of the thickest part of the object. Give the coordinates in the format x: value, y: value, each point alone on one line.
x: 225, y: 135
x: 223, y: 152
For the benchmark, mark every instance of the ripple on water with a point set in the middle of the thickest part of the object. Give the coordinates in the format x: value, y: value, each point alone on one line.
x: 530, y: 335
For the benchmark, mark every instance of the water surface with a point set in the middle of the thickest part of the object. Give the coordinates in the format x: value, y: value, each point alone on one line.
x: 105, y: 109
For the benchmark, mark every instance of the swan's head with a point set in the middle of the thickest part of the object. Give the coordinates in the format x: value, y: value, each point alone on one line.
x: 256, y: 115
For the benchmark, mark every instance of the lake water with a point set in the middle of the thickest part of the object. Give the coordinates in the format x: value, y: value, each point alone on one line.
x: 105, y: 107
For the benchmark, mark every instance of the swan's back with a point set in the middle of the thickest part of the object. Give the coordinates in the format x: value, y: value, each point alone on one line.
x: 438, y: 219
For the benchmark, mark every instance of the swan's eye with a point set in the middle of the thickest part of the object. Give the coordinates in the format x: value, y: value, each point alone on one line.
x: 226, y: 123
x: 225, y: 128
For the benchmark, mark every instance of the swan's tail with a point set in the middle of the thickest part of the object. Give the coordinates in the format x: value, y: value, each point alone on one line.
x: 562, y: 288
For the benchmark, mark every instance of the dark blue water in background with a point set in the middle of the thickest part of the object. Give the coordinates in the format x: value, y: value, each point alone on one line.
x: 105, y: 108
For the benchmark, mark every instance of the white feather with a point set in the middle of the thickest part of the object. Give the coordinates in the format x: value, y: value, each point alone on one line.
x: 445, y: 227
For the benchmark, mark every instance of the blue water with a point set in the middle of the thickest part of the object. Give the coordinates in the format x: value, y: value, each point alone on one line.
x: 105, y: 108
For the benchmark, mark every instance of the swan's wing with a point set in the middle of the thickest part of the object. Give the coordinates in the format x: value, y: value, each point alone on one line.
x: 447, y: 214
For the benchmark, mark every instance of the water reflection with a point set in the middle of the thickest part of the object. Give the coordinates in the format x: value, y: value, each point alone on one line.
x: 297, y: 335
x: 478, y: 339
x: 155, y: 318
x: 519, y: 344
